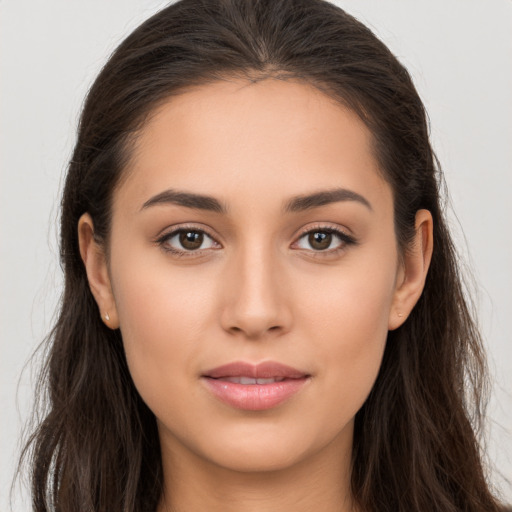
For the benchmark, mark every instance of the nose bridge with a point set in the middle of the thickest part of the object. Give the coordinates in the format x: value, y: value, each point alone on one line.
x: 255, y: 300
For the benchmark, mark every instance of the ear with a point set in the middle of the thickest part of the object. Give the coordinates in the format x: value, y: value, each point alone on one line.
x: 413, y: 271
x: 95, y: 262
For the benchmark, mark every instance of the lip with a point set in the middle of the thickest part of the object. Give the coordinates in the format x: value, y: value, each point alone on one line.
x: 264, y: 370
x: 254, y: 397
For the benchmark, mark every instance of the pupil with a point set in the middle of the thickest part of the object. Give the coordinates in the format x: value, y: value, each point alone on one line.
x: 191, y: 240
x: 320, y: 240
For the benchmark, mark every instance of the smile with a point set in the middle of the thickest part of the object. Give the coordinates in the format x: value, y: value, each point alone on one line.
x: 249, y: 381
x: 254, y: 387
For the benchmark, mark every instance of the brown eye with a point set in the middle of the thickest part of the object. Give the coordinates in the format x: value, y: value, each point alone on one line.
x: 327, y: 240
x: 191, y: 240
x: 320, y: 240
x: 186, y: 240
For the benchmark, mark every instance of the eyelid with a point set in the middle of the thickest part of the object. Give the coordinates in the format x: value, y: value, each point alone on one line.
x: 170, y: 232
x: 342, y: 234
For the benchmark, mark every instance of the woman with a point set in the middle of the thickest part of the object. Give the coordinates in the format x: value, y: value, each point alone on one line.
x: 262, y: 308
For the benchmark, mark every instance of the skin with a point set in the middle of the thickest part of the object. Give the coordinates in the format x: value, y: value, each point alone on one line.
x: 256, y: 290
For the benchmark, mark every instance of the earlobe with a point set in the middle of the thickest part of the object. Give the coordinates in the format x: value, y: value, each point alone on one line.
x: 93, y: 257
x: 416, y: 262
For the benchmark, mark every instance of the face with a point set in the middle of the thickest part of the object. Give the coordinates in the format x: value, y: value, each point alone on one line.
x: 254, y: 230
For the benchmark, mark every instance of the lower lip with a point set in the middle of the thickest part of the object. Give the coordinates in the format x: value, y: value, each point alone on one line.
x: 254, y: 397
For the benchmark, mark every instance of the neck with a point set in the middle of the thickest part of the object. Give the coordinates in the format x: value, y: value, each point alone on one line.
x: 320, y: 482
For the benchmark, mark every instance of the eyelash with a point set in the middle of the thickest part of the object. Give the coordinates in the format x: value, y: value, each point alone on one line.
x: 164, y: 239
x: 344, y: 238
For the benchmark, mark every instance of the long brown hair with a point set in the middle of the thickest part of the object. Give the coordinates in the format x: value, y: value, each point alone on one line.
x: 415, y: 445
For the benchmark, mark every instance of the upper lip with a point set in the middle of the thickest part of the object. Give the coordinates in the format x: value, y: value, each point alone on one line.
x: 264, y: 370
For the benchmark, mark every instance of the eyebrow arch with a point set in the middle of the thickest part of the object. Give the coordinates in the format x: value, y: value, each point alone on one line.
x: 187, y: 199
x: 307, y: 202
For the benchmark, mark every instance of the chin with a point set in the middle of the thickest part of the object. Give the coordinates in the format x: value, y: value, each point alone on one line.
x: 247, y: 460
x: 266, y: 449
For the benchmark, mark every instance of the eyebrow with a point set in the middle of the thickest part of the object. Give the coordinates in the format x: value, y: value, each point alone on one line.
x: 295, y: 204
x: 324, y: 197
x: 187, y: 199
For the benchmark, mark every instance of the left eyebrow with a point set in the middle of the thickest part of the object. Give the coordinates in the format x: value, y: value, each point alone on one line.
x: 324, y: 197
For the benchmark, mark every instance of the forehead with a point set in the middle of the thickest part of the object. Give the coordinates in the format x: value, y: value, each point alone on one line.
x: 271, y: 138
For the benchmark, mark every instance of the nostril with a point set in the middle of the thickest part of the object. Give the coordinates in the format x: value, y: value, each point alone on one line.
x: 255, y: 332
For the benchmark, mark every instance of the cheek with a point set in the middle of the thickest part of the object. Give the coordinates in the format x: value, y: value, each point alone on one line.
x: 351, y: 301
x: 160, y: 322
x: 347, y: 319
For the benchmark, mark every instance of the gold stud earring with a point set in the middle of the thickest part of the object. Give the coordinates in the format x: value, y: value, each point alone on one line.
x: 107, y: 317
x: 400, y: 315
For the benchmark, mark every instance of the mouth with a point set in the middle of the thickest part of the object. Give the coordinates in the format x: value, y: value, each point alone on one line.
x: 249, y: 381
x: 254, y: 387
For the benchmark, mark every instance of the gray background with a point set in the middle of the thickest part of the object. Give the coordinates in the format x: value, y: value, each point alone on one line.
x: 460, y: 55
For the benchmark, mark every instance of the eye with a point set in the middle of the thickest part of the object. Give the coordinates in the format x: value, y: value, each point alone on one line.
x: 186, y: 240
x: 324, y: 239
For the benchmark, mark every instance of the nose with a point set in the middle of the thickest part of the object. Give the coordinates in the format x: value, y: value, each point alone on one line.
x: 255, y: 300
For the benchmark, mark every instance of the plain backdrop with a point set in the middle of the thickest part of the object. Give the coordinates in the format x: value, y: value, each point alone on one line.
x: 460, y: 55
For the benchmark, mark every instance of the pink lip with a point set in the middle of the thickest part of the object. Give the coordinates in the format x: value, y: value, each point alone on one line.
x: 255, y: 397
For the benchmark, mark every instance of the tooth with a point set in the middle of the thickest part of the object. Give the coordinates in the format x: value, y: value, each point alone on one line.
x: 265, y: 381
x: 248, y: 380
x: 235, y: 380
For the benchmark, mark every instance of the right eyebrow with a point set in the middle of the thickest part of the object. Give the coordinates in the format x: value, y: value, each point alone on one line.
x: 186, y: 199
